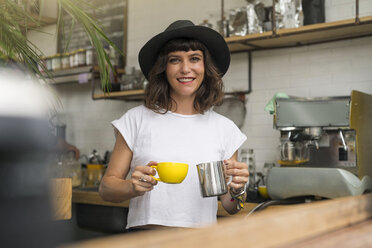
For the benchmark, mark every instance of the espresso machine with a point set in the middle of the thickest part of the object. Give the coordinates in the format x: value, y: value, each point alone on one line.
x: 325, y: 147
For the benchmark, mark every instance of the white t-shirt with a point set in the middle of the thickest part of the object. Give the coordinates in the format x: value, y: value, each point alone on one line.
x: 173, y: 137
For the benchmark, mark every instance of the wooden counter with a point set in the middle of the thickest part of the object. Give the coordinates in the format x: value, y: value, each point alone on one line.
x: 92, y: 197
x: 317, y: 224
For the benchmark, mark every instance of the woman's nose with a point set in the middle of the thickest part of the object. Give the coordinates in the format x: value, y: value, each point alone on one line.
x: 185, y: 67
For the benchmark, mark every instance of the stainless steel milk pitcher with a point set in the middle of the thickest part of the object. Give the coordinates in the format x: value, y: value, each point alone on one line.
x: 212, y: 178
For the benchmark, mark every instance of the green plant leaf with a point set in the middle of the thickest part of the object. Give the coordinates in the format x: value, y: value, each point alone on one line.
x: 14, y: 46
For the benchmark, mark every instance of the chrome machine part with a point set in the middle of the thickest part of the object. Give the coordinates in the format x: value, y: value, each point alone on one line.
x: 285, y: 183
x: 336, y: 132
x: 313, y: 112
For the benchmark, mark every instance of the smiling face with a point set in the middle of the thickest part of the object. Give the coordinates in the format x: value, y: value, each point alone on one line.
x: 185, y: 73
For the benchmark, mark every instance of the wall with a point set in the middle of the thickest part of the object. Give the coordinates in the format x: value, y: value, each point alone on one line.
x: 46, y: 40
x: 328, y: 69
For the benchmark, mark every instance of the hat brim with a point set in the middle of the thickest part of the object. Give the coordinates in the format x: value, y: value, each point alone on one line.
x: 214, y: 42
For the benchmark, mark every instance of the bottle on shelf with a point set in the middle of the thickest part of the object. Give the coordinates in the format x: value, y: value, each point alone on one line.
x: 72, y: 59
x: 65, y: 61
x: 56, y: 62
x: 89, y: 56
x: 80, y: 57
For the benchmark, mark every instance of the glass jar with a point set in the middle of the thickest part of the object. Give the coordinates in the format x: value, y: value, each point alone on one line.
x: 48, y: 63
x: 72, y: 59
x: 65, y: 61
x: 293, y: 153
x: 94, y: 174
x: 89, y: 56
x: 73, y: 168
x: 80, y: 57
x: 56, y: 62
x: 56, y: 170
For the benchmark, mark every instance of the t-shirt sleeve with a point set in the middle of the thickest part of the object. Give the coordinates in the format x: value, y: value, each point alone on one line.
x: 127, y: 127
x: 234, y: 138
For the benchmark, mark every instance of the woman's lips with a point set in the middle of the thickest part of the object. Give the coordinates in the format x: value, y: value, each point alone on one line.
x: 185, y: 80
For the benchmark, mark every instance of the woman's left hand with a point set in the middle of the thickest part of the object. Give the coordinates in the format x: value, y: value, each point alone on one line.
x: 239, y: 173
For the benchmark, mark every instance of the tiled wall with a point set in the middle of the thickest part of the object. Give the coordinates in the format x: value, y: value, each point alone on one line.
x: 331, y: 69
x: 320, y: 70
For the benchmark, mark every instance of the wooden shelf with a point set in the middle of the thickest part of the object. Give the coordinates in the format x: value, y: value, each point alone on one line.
x: 121, y: 95
x: 306, y: 35
x: 74, y: 75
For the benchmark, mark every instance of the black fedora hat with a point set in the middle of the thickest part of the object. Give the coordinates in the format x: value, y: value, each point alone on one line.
x: 185, y: 29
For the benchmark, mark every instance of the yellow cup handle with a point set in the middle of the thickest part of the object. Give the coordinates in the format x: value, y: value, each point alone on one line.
x: 156, y: 178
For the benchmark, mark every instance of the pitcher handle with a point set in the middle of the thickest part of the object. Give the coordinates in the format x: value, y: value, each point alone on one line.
x: 230, y: 180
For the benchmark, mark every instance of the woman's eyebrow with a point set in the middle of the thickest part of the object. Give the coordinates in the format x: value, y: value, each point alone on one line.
x: 190, y: 55
x: 196, y: 54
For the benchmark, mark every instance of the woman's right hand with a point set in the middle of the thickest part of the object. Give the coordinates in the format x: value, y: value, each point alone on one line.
x: 142, y: 180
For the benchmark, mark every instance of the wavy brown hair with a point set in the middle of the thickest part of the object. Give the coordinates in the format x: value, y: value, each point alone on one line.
x: 157, y: 92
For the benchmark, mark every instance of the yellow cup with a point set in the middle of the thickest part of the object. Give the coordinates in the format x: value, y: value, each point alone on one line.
x: 171, y: 172
x: 263, y: 192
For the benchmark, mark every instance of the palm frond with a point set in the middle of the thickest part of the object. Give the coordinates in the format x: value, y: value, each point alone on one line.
x: 77, y: 10
x: 14, y: 46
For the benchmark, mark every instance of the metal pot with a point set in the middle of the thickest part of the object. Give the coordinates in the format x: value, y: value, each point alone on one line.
x: 212, y: 178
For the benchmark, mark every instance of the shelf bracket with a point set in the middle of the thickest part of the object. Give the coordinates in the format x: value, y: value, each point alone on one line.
x: 357, y: 20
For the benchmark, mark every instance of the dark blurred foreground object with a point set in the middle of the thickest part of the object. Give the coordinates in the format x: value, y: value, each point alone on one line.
x: 313, y: 11
x: 25, y: 210
x: 25, y: 205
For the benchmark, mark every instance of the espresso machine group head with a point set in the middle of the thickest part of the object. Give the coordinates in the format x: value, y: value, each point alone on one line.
x: 323, y: 146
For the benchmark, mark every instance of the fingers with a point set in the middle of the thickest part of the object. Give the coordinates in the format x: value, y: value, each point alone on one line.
x: 235, y: 164
x: 235, y: 168
x: 142, y: 179
x: 238, y: 171
x: 153, y: 172
x: 142, y: 175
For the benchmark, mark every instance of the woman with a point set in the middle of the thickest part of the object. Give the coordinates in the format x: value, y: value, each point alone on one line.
x: 184, y: 65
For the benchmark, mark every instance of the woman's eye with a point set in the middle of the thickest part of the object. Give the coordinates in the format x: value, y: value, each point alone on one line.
x: 195, y: 59
x: 173, y: 60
